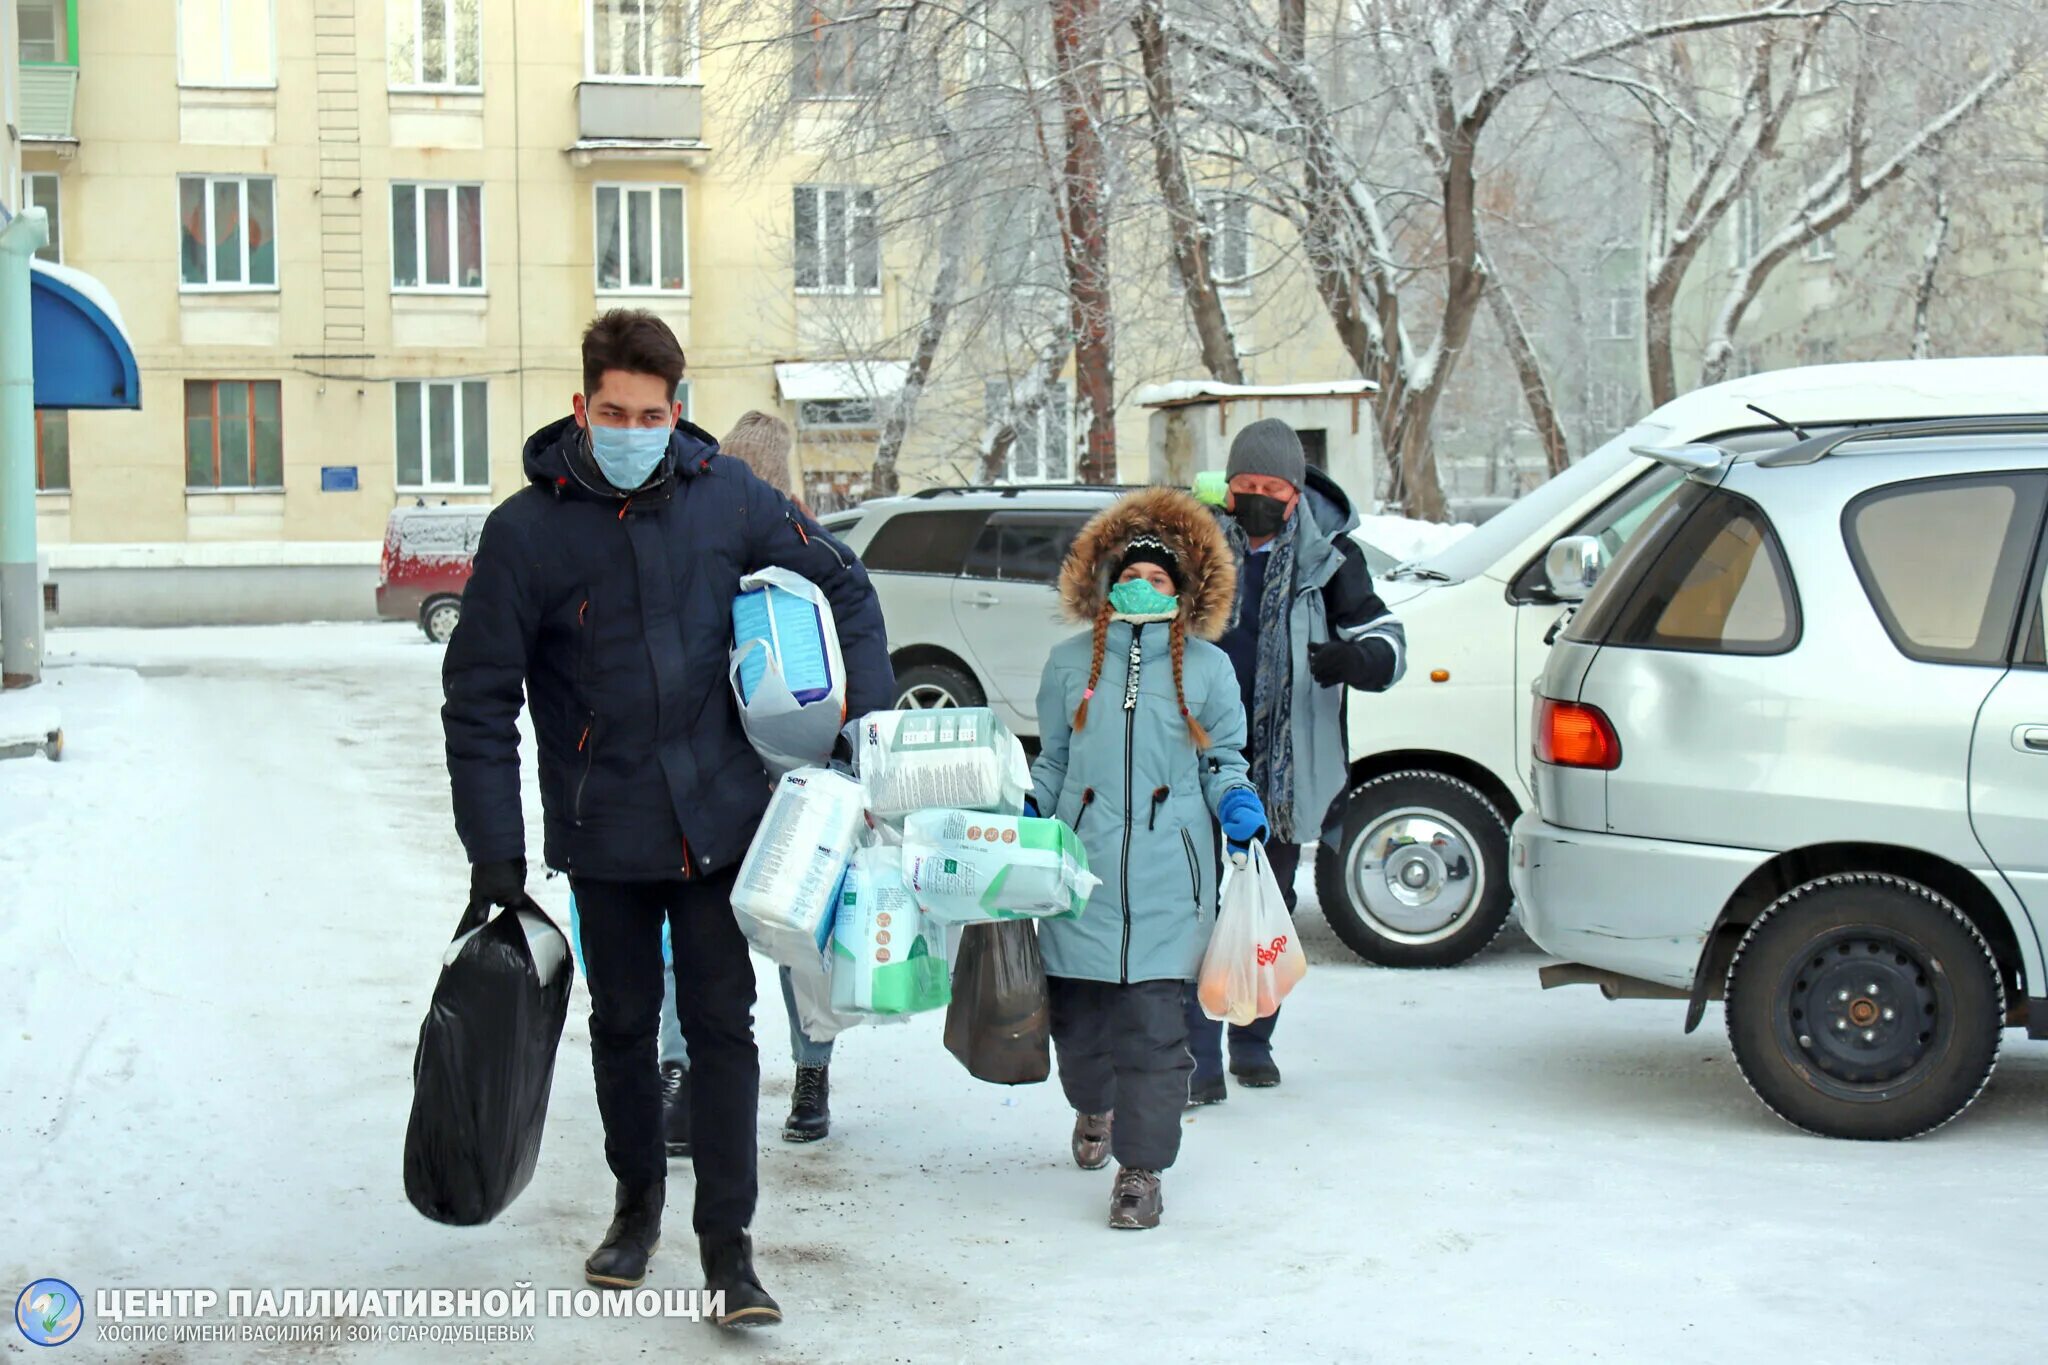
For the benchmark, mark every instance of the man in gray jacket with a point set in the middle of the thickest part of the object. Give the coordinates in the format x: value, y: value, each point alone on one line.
x: 1309, y: 626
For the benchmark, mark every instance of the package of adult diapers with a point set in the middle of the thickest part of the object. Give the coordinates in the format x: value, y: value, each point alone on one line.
x: 967, y: 866
x: 786, y: 670
x: 959, y: 759
x: 788, y: 883
x: 886, y: 958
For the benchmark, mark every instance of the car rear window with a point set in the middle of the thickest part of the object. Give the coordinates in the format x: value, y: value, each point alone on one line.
x: 1703, y: 574
x: 1944, y: 561
x: 923, y: 542
x: 1024, y: 547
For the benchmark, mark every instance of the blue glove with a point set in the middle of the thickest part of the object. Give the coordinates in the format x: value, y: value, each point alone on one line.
x: 1031, y: 807
x: 1243, y: 817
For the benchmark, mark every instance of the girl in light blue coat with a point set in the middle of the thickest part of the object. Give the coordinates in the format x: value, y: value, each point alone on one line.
x: 1142, y: 726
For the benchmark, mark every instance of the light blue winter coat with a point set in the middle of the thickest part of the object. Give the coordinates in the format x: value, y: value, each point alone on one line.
x: 1132, y: 785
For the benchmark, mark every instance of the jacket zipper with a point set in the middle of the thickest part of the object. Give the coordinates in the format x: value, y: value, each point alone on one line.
x: 1130, y: 816
x: 1194, y: 873
x: 589, y: 752
x: 805, y: 537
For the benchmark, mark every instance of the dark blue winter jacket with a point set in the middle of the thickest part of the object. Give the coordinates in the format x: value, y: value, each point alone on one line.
x: 613, y: 614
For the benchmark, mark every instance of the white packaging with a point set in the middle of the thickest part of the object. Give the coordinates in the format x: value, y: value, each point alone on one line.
x: 784, y: 638
x: 888, y: 958
x: 788, y: 883
x: 957, y: 759
x: 965, y: 867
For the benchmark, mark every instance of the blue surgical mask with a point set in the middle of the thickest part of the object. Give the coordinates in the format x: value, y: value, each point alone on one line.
x: 627, y: 455
x: 1137, y: 597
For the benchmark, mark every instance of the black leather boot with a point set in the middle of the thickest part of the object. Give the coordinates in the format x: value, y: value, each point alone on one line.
x: 675, y: 1108
x: 729, y: 1270
x: 810, y: 1111
x: 620, y: 1261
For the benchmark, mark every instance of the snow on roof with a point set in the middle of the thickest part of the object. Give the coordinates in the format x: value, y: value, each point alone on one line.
x: 1183, y: 391
x: 95, y: 293
x: 803, y: 381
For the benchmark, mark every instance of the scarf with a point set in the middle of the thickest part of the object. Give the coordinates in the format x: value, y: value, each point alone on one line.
x: 1272, y: 718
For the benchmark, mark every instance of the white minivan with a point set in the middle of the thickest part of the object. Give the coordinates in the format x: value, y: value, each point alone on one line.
x: 1413, y: 869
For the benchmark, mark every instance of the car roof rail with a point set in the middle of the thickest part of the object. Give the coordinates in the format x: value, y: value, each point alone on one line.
x: 1818, y: 448
x: 1011, y: 490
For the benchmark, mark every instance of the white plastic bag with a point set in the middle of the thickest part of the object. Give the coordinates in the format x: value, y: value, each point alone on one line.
x: 961, y: 758
x: 1254, y: 958
x: 786, y: 672
x: 788, y: 884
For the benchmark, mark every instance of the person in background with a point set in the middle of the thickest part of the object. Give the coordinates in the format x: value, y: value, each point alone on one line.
x: 1308, y: 626
x: 1142, y: 735
x: 595, y: 592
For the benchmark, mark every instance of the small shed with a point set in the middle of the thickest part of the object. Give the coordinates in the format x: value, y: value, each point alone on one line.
x: 1194, y: 421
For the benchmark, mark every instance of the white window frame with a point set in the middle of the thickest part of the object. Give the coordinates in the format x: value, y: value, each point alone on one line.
x: 1820, y: 248
x: 1214, y: 204
x: 427, y: 484
x: 31, y: 200
x: 653, y: 190
x: 447, y: 7
x: 1621, y: 316
x: 1055, y: 431
x: 853, y: 193
x: 692, y: 76
x: 419, y: 228
x: 225, y: 6
x: 1748, y: 223
x: 241, y: 286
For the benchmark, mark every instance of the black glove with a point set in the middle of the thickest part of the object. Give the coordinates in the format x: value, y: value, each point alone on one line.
x: 502, y: 883
x: 1367, y: 664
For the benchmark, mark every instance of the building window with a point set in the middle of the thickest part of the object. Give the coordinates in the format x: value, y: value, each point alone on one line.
x: 1749, y: 226
x: 234, y: 434
x: 837, y: 55
x: 838, y: 250
x: 1043, y: 450
x: 437, y: 237
x: 1821, y: 247
x: 1228, y: 219
x: 53, y: 450
x: 39, y: 191
x: 436, y: 45
x: 814, y: 414
x: 45, y: 34
x: 444, y: 435
x: 227, y: 43
x: 640, y: 239
x: 1621, y: 316
x: 229, y: 230
x: 643, y: 40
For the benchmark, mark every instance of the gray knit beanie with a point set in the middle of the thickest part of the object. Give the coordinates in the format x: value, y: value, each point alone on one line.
x: 1270, y: 447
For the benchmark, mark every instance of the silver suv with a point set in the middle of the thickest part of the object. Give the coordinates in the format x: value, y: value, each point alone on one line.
x: 1792, y: 753
x: 968, y: 580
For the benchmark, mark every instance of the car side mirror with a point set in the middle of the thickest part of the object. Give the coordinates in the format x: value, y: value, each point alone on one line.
x: 1573, y: 566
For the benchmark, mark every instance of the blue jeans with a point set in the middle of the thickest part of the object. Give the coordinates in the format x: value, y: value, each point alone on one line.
x: 1252, y: 1043
x: 802, y: 1050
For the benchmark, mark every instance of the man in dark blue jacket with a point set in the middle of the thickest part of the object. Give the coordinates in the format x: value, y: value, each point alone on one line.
x: 603, y: 592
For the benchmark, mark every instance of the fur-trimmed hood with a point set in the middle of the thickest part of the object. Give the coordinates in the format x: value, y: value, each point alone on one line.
x: 1208, y: 571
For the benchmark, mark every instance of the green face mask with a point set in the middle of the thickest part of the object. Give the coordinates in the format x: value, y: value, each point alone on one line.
x: 1136, y: 597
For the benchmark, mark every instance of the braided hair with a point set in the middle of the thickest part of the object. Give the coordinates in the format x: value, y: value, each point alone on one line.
x: 1180, y: 640
x: 1095, y: 667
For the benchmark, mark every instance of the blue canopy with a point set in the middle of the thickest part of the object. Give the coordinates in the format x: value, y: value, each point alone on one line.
x: 82, y: 355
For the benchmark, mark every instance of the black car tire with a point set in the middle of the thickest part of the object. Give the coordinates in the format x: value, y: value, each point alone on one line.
x: 922, y: 687
x: 1831, y: 1056
x: 1474, y: 828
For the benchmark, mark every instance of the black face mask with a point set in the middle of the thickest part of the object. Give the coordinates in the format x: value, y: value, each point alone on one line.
x: 1259, y: 515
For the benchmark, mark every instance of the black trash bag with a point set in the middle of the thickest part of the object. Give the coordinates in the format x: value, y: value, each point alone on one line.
x: 485, y: 1063
x: 1000, y: 1022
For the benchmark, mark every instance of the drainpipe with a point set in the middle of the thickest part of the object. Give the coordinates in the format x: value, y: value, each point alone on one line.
x: 21, y: 597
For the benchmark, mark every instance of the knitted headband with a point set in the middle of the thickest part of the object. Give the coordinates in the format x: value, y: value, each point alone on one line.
x: 1148, y: 549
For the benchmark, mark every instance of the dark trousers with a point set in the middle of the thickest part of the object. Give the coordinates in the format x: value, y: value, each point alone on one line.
x: 1125, y: 1049
x: 714, y: 1002
x: 1252, y: 1042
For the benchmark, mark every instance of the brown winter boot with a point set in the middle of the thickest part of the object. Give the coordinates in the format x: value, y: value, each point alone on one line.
x: 1135, y: 1203
x: 1091, y: 1141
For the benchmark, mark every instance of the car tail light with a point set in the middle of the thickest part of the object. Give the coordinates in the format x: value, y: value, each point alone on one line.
x: 1570, y: 734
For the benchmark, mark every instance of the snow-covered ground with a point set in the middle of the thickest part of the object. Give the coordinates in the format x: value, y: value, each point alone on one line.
x: 221, y: 916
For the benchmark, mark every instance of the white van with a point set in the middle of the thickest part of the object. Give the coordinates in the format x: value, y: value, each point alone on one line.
x: 1413, y: 870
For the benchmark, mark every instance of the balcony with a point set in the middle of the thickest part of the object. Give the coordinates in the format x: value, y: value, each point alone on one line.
x: 638, y: 120
x: 49, y: 103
